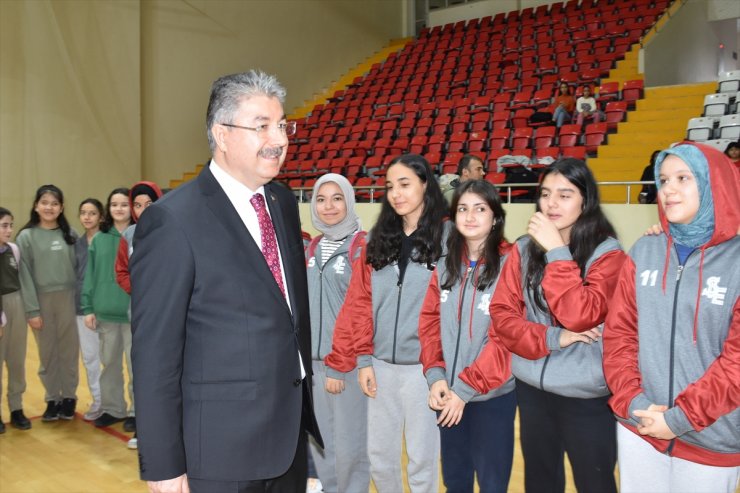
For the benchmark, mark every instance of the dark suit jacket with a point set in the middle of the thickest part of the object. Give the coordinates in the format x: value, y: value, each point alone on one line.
x: 215, y: 347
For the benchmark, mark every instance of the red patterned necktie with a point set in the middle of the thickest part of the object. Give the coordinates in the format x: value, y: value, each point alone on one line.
x: 269, y: 241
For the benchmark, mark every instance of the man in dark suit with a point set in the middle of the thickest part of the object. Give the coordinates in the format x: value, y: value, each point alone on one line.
x: 221, y: 335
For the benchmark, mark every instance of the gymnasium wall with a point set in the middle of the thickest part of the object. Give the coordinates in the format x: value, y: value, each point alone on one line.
x: 630, y: 221
x: 95, y: 95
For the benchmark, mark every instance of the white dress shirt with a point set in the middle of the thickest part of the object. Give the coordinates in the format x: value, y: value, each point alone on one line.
x: 239, y: 195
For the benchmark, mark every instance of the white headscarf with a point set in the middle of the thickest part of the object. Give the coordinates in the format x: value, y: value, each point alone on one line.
x: 351, y: 221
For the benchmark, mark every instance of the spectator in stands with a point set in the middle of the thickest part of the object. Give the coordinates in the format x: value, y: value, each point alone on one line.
x: 377, y: 328
x: 469, y: 377
x: 13, y: 330
x: 469, y: 168
x: 733, y: 152
x: 48, y: 279
x: 91, y: 214
x: 671, y: 352
x: 586, y: 107
x: 341, y: 412
x: 564, y: 106
x: 649, y: 192
x: 549, y: 304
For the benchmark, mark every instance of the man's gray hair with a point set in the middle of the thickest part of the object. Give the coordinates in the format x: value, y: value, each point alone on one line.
x: 229, y: 91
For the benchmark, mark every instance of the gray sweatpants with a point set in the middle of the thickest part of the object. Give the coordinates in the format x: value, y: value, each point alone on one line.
x: 13, y: 346
x: 90, y: 351
x: 400, y: 410
x: 642, y: 468
x: 342, y: 464
x: 59, y: 345
x: 115, y: 343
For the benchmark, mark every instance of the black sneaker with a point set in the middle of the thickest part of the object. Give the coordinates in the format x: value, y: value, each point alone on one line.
x: 19, y: 420
x: 129, y: 424
x: 106, y: 420
x: 52, y: 411
x: 67, y: 411
x: 2, y: 426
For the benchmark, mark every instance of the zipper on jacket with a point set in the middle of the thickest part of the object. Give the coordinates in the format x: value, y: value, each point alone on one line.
x: 459, y: 324
x: 321, y: 297
x: 679, y: 272
x: 321, y: 311
x: 395, y: 326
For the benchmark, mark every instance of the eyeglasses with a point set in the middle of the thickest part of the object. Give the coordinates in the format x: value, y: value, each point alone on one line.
x: 287, y: 128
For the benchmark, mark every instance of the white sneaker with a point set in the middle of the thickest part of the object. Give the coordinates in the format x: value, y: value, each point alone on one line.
x: 314, y: 486
x: 133, y: 444
x: 93, y: 413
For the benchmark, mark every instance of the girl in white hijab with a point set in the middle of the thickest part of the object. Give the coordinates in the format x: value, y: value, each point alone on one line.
x: 341, y: 412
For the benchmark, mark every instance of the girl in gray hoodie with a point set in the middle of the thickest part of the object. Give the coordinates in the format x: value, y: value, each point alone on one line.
x: 476, y: 428
x: 672, y: 337
x: 550, y: 300
x: 342, y: 463
x: 377, y: 329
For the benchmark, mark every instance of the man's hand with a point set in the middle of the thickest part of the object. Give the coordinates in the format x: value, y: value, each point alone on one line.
x: 36, y: 323
x: 438, y: 395
x: 175, y: 485
x: 366, y: 376
x: 334, y: 385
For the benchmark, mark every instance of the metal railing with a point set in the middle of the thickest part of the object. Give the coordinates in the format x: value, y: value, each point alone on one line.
x: 304, y: 193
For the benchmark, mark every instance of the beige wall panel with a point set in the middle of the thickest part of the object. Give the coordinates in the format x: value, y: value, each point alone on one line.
x: 186, y: 45
x: 630, y: 221
x: 69, y: 99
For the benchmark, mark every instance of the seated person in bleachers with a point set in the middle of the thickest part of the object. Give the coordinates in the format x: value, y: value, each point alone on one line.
x: 649, y: 192
x: 564, y: 106
x: 470, y: 168
x: 733, y: 152
x: 586, y: 107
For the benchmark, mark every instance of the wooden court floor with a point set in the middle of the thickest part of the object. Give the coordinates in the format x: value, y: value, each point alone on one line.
x: 75, y: 457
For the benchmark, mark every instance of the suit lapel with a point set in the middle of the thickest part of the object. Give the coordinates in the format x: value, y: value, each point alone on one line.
x: 249, y: 253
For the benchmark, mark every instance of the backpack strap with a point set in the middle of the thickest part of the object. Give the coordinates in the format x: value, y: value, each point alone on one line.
x: 16, y: 253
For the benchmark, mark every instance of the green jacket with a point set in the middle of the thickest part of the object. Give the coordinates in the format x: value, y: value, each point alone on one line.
x: 101, y: 294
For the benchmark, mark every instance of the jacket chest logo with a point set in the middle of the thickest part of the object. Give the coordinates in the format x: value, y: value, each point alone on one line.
x: 485, y: 302
x: 339, y: 265
x: 714, y: 291
x: 312, y: 262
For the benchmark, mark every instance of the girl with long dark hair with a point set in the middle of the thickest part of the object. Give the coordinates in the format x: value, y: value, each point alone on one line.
x: 48, y: 281
x: 476, y: 427
x: 377, y: 328
x: 548, y: 308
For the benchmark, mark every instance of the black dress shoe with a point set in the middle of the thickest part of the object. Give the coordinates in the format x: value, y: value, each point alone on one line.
x: 52, y: 411
x: 129, y: 424
x: 19, y: 420
x: 67, y: 410
x: 106, y: 420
